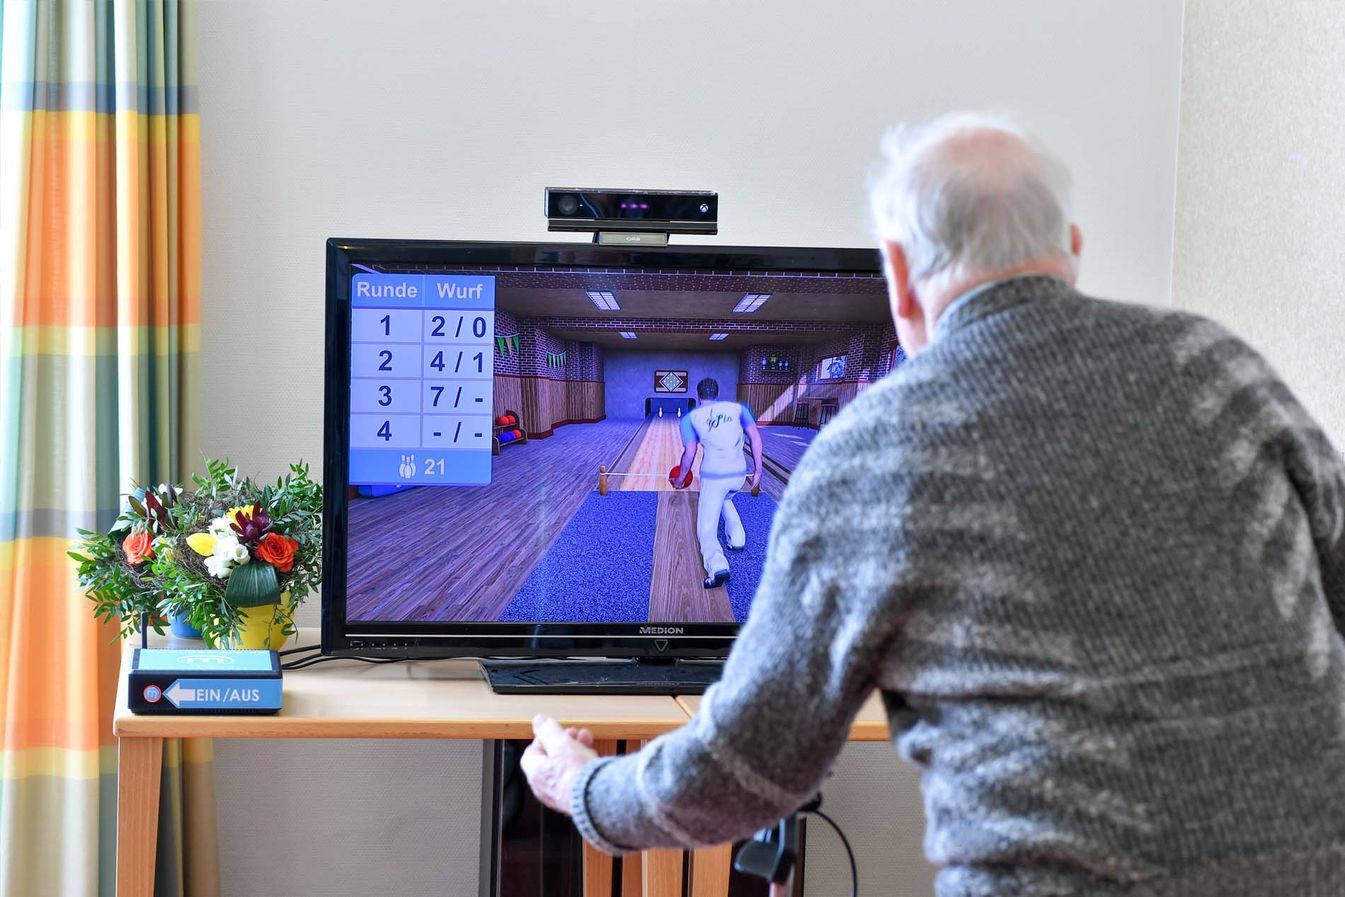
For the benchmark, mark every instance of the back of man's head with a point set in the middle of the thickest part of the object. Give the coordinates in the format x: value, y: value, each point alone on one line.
x: 966, y: 195
x: 707, y: 389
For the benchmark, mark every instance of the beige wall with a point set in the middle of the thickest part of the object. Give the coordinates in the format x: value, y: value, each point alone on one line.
x: 1260, y: 240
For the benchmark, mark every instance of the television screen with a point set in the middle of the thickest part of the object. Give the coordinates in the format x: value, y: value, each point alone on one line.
x: 506, y: 419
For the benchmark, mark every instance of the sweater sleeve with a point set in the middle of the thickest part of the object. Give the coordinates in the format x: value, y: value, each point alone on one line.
x: 1240, y: 389
x: 768, y: 732
x: 1318, y: 475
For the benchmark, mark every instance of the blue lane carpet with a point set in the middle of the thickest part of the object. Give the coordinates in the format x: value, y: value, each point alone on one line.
x: 746, y: 565
x: 598, y: 569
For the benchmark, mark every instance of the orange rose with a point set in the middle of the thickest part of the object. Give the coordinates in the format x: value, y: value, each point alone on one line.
x: 139, y: 546
x: 278, y: 551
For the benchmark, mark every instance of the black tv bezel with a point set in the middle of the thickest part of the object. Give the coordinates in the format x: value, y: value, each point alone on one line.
x: 406, y: 639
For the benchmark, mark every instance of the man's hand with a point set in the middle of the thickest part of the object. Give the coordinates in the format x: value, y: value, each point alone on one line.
x: 553, y: 760
x: 755, y: 482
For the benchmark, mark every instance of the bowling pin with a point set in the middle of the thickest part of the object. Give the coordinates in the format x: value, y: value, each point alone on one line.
x: 660, y: 412
x: 679, y: 412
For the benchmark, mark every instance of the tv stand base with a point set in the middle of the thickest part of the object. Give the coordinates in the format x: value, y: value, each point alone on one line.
x: 601, y: 677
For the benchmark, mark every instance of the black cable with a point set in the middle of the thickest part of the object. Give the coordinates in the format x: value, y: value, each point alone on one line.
x: 309, y: 661
x: 303, y: 662
x: 300, y: 650
x: 854, y: 869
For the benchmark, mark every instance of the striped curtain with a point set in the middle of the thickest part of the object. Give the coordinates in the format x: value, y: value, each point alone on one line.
x: 99, y: 295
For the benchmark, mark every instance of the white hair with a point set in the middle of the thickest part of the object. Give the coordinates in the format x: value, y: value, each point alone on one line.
x: 959, y: 215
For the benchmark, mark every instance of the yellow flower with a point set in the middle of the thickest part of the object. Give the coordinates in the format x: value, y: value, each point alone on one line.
x: 246, y: 509
x: 202, y: 543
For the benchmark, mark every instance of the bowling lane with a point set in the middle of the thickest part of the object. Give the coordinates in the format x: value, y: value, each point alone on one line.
x: 658, y: 451
x: 676, y: 594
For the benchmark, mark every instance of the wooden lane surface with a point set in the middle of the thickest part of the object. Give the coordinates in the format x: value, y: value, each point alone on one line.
x: 626, y: 456
x: 659, y: 450
x: 473, y: 547
x: 870, y: 723
x: 675, y: 591
x: 420, y: 699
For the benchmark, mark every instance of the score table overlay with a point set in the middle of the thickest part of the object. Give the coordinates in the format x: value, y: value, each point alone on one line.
x: 421, y: 369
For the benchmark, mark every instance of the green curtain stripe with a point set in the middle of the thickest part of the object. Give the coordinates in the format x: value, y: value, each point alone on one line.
x: 51, y: 826
x: 53, y: 523
x: 168, y: 878
x: 71, y: 56
x: 10, y: 430
x: 75, y: 77
x: 107, y: 822
x: 88, y: 387
x: 144, y: 340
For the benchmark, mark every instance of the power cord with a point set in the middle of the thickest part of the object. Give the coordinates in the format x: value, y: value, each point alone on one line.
x: 854, y: 867
x: 773, y: 852
x: 305, y: 662
x: 311, y: 658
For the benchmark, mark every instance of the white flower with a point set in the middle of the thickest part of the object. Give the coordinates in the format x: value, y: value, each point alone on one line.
x: 217, y: 567
x: 225, y: 555
x: 219, y: 528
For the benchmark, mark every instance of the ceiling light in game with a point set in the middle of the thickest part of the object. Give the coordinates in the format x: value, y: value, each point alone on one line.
x: 750, y: 302
x: 604, y: 299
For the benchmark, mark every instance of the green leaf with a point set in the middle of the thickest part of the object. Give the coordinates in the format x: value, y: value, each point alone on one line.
x: 252, y: 585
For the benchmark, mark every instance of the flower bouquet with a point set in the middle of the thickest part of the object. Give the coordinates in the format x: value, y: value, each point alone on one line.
x: 114, y: 568
x: 233, y: 559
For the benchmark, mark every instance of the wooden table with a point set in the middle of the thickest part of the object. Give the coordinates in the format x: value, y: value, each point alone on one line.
x: 425, y: 699
x: 870, y: 723
x: 348, y: 699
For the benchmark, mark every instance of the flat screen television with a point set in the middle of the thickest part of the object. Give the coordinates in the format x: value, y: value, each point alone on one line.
x: 501, y: 421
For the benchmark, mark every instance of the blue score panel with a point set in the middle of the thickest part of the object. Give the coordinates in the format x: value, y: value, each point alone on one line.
x: 422, y: 361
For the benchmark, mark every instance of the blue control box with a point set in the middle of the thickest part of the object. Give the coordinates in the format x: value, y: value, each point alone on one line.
x: 184, y: 681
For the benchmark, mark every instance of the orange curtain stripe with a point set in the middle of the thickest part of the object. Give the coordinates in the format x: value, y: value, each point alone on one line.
x: 45, y: 702
x: 71, y: 204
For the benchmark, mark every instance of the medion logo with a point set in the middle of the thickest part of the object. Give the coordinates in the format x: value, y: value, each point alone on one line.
x: 662, y: 630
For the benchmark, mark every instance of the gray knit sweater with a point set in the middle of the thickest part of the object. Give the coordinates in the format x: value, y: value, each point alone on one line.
x: 1093, y: 556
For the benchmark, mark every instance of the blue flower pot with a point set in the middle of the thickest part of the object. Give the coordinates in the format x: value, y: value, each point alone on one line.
x: 181, y: 628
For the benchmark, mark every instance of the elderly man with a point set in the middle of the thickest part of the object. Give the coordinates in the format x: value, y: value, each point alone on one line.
x: 1094, y: 560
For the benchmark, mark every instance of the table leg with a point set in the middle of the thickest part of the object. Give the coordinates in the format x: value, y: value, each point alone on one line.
x: 139, y: 767
x: 598, y: 865
x: 632, y: 875
x: 659, y: 873
x: 710, y: 871
x: 663, y: 872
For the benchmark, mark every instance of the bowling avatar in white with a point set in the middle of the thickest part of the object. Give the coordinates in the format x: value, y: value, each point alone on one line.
x: 719, y: 428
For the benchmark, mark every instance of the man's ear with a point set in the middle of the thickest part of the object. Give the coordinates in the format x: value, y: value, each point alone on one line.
x: 906, y: 306
x: 1075, y: 240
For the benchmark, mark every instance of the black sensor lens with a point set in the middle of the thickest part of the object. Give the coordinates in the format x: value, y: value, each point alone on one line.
x: 567, y: 203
